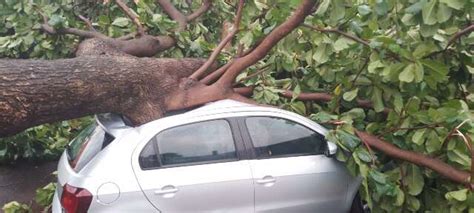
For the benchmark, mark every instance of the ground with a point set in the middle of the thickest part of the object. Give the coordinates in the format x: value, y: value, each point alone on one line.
x: 19, y: 182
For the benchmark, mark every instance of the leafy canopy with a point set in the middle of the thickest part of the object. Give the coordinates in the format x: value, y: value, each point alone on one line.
x: 397, y: 54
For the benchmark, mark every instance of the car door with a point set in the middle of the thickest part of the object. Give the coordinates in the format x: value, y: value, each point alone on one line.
x: 196, y: 168
x: 291, y: 173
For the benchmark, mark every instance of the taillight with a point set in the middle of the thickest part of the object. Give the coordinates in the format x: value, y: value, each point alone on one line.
x: 75, y: 200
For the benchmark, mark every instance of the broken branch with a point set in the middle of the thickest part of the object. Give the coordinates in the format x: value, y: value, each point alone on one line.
x: 196, y: 75
x: 131, y: 15
x: 206, y: 4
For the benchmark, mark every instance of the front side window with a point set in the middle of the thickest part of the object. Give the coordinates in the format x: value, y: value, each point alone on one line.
x: 273, y: 137
x: 189, y: 144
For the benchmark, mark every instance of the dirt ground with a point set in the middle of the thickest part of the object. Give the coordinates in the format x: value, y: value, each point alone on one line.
x: 20, y: 181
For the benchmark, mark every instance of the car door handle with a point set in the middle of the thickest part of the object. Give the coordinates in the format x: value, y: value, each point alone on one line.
x: 266, y: 180
x: 166, y: 190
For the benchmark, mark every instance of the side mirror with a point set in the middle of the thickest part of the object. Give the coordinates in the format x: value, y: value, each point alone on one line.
x: 332, y: 149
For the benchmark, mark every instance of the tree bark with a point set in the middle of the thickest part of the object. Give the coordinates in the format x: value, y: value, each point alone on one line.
x: 34, y: 92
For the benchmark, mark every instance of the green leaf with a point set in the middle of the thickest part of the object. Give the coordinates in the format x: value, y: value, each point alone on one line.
x: 363, y: 155
x: 459, y: 157
x: 364, y: 9
x: 440, y: 69
x: 414, y: 180
x: 356, y: 113
x: 424, y: 49
x: 374, y: 65
x: 44, y: 196
x: 337, y: 11
x: 444, y: 13
x: 428, y: 13
x: 322, y: 53
x: 408, y: 73
x: 456, y: 4
x: 15, y: 207
x: 413, y: 203
x: 378, y: 177
x: 433, y: 142
x: 416, y: 7
x: 399, y: 200
x: 419, y: 72
x: 323, y: 7
x: 323, y: 117
x: 57, y: 21
x: 121, y: 22
x: 413, y: 105
x: 350, y: 95
x: 418, y: 137
x: 377, y: 100
x: 459, y: 195
x: 346, y: 140
x: 260, y: 4
x: 341, y: 44
x: 298, y: 107
x: 398, y: 103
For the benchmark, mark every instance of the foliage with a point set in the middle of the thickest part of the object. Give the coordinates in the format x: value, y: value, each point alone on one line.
x: 44, y: 198
x: 15, y: 207
x: 397, y: 54
x: 45, y: 142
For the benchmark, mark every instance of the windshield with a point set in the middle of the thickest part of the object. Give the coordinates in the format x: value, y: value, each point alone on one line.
x: 86, y: 145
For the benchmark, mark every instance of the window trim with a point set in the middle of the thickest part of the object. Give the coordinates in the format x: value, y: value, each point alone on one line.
x: 249, y: 142
x: 238, y: 145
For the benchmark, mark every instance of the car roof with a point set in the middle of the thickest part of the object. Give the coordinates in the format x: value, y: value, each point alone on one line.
x: 114, y: 124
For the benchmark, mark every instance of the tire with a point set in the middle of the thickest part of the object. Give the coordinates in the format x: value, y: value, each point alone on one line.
x: 357, y: 205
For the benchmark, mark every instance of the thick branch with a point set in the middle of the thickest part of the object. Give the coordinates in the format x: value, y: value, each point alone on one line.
x: 417, y: 158
x: 34, y: 92
x: 174, y: 13
x: 268, y: 42
x: 216, y: 74
x: 196, y: 75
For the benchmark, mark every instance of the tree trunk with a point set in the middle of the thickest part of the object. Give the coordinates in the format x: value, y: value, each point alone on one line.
x: 34, y: 92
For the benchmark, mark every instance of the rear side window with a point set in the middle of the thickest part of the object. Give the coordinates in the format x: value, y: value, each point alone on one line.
x: 190, y: 144
x: 274, y: 137
x: 86, y: 146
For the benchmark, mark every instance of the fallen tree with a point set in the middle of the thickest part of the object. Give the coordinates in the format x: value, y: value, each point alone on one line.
x: 114, y: 75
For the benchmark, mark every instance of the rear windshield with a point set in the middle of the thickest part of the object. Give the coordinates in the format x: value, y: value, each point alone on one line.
x: 86, y: 145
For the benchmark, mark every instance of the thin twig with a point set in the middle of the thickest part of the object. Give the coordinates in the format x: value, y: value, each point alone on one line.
x: 359, y: 72
x: 196, y: 75
x: 258, y: 72
x: 87, y: 21
x: 459, y: 34
x: 131, y: 15
x: 347, y: 35
x: 354, y: 38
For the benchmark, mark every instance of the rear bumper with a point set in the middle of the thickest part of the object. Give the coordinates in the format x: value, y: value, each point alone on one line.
x: 56, y: 206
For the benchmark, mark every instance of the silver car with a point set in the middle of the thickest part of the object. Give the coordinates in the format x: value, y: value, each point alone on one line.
x: 225, y: 156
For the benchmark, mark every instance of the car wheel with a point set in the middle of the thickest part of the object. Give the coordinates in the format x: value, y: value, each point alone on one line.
x: 357, y: 205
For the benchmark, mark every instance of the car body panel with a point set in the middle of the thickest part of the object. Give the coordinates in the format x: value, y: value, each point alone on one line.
x: 110, y: 167
x: 215, y: 187
x: 313, y: 183
x: 117, y: 165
